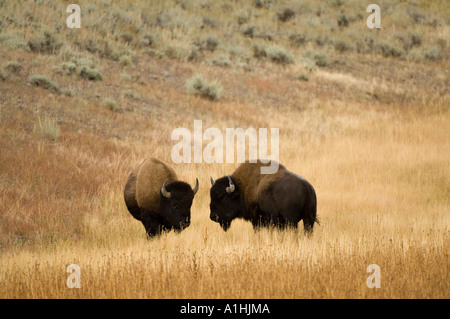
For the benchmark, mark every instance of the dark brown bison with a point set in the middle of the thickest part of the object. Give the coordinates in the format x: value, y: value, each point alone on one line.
x: 154, y: 195
x: 281, y: 199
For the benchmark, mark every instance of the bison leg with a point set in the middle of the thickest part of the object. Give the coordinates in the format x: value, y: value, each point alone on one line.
x: 289, y: 225
x: 257, y: 223
x: 151, y: 223
x: 308, y: 225
x: 260, y: 218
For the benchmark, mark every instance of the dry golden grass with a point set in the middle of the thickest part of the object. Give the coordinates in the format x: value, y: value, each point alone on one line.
x: 370, y: 133
x: 383, y: 197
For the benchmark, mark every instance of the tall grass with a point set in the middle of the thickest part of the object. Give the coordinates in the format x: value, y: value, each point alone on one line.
x: 47, y: 128
x: 388, y: 210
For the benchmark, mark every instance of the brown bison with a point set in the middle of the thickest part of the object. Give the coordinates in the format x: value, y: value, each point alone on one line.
x: 281, y: 199
x: 154, y: 195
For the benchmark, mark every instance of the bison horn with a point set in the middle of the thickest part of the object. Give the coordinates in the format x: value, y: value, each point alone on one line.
x: 230, y: 188
x: 212, y: 181
x: 196, y: 186
x: 164, y: 192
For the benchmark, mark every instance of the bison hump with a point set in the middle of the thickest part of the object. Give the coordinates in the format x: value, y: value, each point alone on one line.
x: 149, y: 180
x: 252, y: 182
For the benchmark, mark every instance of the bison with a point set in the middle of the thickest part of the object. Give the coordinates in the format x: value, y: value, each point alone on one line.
x: 281, y: 199
x: 154, y: 195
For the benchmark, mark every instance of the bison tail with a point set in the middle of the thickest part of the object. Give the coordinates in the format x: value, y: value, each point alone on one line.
x: 317, y: 221
x: 311, y: 213
x: 313, y: 207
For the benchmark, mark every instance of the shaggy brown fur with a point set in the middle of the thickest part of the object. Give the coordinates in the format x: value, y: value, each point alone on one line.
x: 144, y: 184
x: 152, y: 174
x: 252, y: 183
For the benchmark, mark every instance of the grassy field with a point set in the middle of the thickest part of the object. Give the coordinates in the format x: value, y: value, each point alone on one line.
x: 363, y: 115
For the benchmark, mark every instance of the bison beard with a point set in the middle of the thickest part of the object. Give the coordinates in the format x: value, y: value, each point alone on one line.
x: 281, y: 199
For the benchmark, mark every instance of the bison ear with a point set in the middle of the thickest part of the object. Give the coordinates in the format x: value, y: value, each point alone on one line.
x: 196, y: 186
x: 164, y: 192
x: 212, y: 181
x: 230, y: 188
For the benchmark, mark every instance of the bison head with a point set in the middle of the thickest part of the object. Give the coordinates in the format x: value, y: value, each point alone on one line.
x: 226, y: 201
x: 176, y: 202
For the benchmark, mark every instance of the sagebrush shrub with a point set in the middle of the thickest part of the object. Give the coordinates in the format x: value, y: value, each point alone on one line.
x: 13, y: 67
x: 47, y: 43
x: 110, y: 103
x: 91, y: 74
x: 44, y: 82
x: 319, y: 58
x: 285, y: 14
x: 197, y: 85
x: 279, y: 55
x: 432, y: 53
